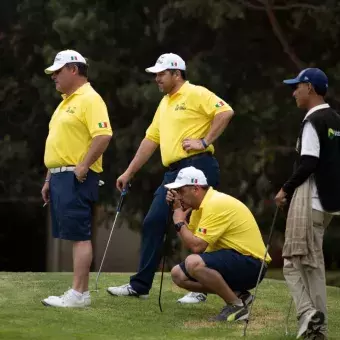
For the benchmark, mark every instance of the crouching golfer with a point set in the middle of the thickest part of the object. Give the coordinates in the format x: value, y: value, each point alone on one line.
x: 225, y: 239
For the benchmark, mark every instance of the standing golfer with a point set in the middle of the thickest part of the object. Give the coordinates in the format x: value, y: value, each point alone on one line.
x: 314, y: 194
x: 188, y: 120
x: 79, y: 133
x: 224, y: 238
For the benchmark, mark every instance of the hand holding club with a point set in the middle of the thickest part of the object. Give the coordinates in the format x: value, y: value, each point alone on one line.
x: 122, y: 181
x: 172, y: 197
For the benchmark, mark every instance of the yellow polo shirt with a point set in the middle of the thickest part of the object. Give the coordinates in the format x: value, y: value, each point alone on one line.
x: 188, y: 113
x: 226, y: 223
x: 76, y: 121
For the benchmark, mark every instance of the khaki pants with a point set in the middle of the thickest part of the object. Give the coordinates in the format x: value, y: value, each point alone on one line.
x: 308, y: 285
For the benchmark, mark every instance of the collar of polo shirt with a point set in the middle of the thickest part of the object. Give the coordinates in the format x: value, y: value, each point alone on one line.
x: 206, y: 198
x: 81, y: 90
x: 181, y: 90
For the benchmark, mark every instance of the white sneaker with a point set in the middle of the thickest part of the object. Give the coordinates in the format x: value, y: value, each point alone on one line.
x: 87, y: 299
x: 68, y: 299
x: 193, y: 297
x: 125, y: 290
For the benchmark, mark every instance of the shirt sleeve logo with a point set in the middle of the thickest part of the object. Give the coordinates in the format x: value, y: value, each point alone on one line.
x: 219, y: 104
x: 202, y: 231
x: 103, y: 124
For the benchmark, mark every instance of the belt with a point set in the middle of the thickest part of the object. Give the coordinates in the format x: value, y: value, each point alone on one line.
x: 181, y: 162
x: 62, y: 169
x: 69, y: 168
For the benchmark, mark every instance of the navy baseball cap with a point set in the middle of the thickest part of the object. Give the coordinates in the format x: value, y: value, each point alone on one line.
x: 314, y: 76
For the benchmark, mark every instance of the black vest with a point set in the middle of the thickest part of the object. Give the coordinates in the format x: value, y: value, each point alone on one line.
x: 327, y: 174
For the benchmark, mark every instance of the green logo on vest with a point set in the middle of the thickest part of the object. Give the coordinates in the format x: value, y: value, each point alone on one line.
x: 330, y: 133
x: 333, y: 133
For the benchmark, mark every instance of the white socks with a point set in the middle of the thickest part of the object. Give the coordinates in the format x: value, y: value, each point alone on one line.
x: 80, y: 295
x: 77, y: 294
x: 238, y: 303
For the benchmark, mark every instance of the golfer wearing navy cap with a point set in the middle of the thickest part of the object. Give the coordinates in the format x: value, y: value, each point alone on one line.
x: 313, y: 191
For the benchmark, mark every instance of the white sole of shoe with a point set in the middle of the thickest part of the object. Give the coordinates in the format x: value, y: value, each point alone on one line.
x: 190, y: 303
x: 243, y: 317
x: 143, y: 297
x: 45, y: 303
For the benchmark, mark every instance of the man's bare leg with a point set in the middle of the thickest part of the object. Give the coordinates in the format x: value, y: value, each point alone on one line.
x: 182, y: 281
x: 210, y: 279
x: 82, y: 258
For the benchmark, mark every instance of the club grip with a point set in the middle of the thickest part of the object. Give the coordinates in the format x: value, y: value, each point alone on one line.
x: 122, y: 196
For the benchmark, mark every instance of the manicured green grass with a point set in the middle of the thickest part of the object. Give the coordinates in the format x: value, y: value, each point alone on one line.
x: 24, y: 317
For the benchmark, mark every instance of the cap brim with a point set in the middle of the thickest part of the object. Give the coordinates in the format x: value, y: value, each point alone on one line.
x: 53, y: 68
x: 174, y: 185
x: 292, y: 81
x: 155, y: 69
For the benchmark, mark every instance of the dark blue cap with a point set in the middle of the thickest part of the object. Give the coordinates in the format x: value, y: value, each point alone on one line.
x: 314, y: 76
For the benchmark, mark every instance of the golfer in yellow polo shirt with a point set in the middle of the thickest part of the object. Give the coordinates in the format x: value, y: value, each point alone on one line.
x: 225, y: 239
x: 79, y: 133
x: 188, y: 120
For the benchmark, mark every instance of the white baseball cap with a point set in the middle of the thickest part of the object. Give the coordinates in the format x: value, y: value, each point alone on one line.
x: 63, y: 58
x: 167, y: 61
x: 188, y: 176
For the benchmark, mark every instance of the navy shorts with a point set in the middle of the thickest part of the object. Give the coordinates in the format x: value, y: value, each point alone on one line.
x: 71, y: 204
x: 240, y: 272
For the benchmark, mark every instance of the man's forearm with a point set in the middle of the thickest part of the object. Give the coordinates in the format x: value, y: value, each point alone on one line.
x: 187, y: 238
x: 306, y: 167
x: 218, y: 125
x: 146, y: 148
x: 98, y: 146
x: 190, y: 241
x: 48, y: 176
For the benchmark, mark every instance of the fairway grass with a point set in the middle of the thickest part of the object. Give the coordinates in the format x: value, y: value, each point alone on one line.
x: 22, y: 316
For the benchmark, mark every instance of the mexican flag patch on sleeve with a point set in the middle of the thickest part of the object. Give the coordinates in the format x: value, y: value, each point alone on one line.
x: 219, y: 104
x: 102, y: 125
x: 202, y: 230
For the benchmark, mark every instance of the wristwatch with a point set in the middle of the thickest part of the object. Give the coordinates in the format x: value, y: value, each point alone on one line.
x: 179, y: 225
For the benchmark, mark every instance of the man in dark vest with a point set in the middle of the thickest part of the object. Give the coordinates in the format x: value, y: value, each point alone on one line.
x: 313, y: 191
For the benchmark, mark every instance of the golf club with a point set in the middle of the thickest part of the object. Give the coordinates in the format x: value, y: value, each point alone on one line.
x: 261, y: 270
x: 164, y: 254
x: 119, y: 208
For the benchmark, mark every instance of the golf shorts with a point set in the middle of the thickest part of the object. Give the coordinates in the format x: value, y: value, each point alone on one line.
x: 71, y: 204
x: 239, y: 271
